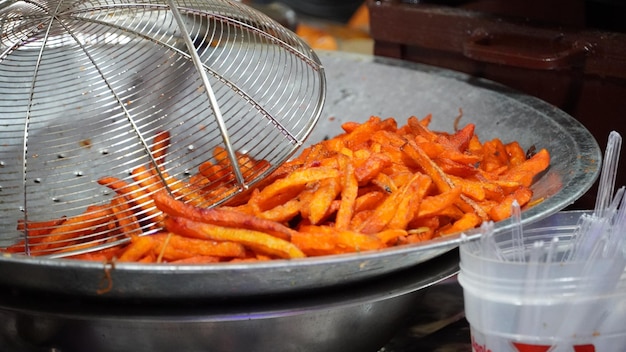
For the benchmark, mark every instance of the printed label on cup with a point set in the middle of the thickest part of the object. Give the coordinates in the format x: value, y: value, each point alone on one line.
x: 524, y: 347
x: 480, y: 344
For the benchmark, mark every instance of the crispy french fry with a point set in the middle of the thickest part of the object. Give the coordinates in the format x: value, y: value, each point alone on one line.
x: 344, y: 240
x: 495, y: 159
x: 409, y: 203
x: 159, y: 147
x: 215, y: 173
x: 349, y: 193
x: 391, y: 235
x: 525, y: 171
x: 466, y: 222
x: 184, y: 190
x: 420, y: 129
x: 361, y: 133
x: 317, y: 243
x: 322, y: 199
x: 440, y: 179
x: 502, y: 210
x: 136, y: 194
x: 259, y: 241
x: 324, y: 240
x: 74, y: 227
x: 291, y: 185
x: 36, y: 232
x: 36, y: 229
x: 460, y: 139
x: 474, y: 189
x: 397, y: 210
x: 372, y: 166
x: 126, y: 220
x: 180, y: 247
x: 283, y: 212
x: 138, y: 247
x: 385, y: 183
x: 223, y: 171
x: 200, y: 259
x: 516, y: 154
x: 221, y: 217
x: 147, y: 179
x: 104, y: 255
x: 433, y: 205
x: 455, y: 168
x: 369, y: 200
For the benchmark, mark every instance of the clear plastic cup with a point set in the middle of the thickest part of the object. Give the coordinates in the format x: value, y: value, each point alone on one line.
x: 544, y: 306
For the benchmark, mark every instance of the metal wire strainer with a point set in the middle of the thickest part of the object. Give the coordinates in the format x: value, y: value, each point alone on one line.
x: 87, y: 86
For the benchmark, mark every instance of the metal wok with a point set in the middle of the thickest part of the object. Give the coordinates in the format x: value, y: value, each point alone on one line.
x: 358, y: 86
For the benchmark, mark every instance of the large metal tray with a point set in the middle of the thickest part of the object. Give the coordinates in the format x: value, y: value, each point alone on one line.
x: 358, y: 86
x: 362, y: 318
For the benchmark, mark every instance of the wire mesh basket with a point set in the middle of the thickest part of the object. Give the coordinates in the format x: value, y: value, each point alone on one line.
x: 98, y: 92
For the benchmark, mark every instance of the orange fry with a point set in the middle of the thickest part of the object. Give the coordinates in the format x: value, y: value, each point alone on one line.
x: 36, y: 229
x: 180, y: 247
x: 502, y: 210
x: 319, y: 240
x: 410, y: 200
x: 184, y: 190
x: 515, y: 153
x: 221, y: 217
x: 138, y: 247
x: 258, y: 241
x: 369, y: 200
x: 349, y: 193
x: 322, y: 198
x: 200, y: 259
x: 215, y: 173
x: 75, y: 227
x: 391, y: 235
x: 432, y: 205
x: 398, y: 209
x: 147, y: 179
x: 351, y: 240
x: 361, y: 133
x: 159, y: 147
x: 419, y: 129
x: 134, y: 193
x: 525, y: 172
x: 126, y: 219
x: 292, y: 184
x: 103, y: 255
x: 495, y: 158
x: 371, y: 167
x: 283, y: 212
x: 466, y: 222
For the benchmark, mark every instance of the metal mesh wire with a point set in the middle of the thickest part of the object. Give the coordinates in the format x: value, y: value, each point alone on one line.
x: 86, y: 86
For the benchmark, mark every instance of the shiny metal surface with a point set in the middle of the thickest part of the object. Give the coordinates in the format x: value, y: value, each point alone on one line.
x: 359, y: 86
x: 356, y: 318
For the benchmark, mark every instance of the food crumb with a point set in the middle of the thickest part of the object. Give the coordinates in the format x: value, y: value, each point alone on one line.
x: 85, y: 143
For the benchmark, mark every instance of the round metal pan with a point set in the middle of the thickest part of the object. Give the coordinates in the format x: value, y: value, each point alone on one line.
x: 360, y: 318
x: 358, y: 87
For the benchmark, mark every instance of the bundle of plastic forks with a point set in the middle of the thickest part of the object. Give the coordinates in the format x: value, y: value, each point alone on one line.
x: 553, y: 288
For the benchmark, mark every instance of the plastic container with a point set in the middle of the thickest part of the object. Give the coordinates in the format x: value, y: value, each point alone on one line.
x: 516, y: 306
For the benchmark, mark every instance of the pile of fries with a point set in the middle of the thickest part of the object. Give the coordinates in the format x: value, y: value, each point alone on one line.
x: 374, y: 186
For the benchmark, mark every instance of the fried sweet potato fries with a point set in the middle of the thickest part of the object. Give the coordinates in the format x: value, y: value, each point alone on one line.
x: 375, y: 185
